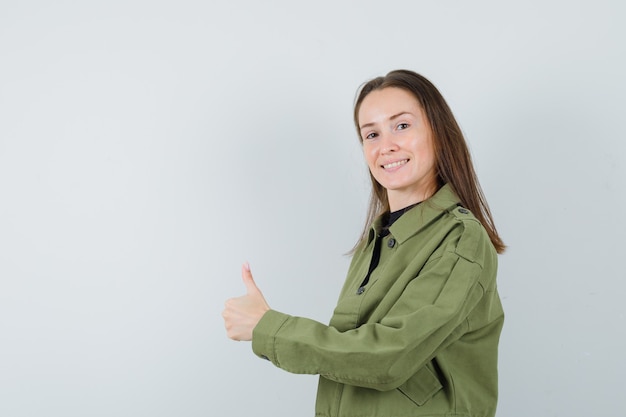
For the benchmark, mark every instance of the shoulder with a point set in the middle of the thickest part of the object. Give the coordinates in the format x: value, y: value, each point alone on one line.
x: 472, y: 241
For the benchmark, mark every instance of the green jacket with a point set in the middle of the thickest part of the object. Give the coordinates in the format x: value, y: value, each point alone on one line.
x: 420, y: 340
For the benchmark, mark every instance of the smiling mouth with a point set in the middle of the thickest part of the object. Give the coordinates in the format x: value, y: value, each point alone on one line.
x: 395, y: 164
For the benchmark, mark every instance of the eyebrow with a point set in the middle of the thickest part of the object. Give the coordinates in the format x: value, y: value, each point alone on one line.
x: 395, y: 116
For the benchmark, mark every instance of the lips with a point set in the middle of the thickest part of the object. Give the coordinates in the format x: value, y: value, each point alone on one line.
x: 395, y: 164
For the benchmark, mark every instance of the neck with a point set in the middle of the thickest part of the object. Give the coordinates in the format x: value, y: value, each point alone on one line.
x: 399, y: 202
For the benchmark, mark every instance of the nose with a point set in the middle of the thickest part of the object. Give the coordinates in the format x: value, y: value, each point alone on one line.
x: 388, y: 143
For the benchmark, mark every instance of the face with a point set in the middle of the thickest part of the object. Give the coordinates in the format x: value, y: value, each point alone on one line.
x: 398, y: 145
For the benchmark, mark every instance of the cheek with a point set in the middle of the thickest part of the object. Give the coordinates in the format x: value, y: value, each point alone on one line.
x: 370, y: 156
x: 430, y: 163
x: 426, y: 153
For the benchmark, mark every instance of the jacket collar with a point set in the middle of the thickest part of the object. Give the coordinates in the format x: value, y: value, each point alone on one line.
x: 414, y: 220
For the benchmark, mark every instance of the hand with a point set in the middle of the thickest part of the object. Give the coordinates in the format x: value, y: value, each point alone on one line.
x: 242, y: 314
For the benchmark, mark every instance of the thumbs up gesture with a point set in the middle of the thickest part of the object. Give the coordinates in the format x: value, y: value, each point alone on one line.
x: 242, y: 314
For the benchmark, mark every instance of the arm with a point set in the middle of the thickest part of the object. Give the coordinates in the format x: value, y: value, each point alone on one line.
x: 429, y: 315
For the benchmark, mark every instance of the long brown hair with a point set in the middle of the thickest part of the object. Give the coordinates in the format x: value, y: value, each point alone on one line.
x: 454, y: 163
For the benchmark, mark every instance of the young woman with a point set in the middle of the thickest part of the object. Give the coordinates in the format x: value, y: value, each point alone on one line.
x: 416, y: 328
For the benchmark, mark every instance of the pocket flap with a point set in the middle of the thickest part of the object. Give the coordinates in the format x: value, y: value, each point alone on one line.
x: 421, y: 387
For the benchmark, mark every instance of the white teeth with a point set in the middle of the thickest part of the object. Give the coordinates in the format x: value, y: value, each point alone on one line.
x: 395, y: 164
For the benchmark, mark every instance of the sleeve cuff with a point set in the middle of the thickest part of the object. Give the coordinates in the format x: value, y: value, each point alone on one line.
x: 264, y: 335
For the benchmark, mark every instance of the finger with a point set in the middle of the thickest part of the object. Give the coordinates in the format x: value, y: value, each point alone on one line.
x: 248, y: 281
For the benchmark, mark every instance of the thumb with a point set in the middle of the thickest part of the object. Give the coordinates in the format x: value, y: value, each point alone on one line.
x: 248, y: 281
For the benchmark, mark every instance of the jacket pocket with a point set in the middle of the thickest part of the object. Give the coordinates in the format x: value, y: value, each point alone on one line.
x: 421, y: 387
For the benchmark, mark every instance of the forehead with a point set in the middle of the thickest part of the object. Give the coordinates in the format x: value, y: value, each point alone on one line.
x: 388, y: 102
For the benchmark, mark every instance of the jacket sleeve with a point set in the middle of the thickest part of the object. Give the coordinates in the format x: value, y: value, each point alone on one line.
x: 432, y: 312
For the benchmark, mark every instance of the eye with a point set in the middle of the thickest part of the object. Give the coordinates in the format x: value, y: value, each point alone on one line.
x: 402, y: 126
x: 371, y: 135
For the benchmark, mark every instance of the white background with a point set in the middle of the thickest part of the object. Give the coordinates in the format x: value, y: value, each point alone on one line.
x: 148, y: 148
